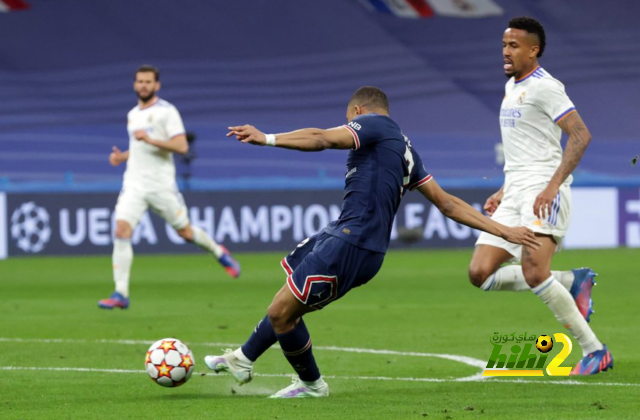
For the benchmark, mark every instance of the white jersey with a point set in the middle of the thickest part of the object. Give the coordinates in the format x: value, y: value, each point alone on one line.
x: 531, y: 109
x: 150, y: 168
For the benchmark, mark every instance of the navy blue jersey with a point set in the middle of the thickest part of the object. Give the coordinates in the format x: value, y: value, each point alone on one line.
x: 380, y: 168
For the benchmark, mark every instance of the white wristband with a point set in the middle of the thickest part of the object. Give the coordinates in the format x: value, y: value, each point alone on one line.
x: 271, y: 139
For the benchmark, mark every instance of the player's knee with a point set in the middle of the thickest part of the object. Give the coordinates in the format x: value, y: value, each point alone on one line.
x: 280, y: 319
x: 186, y: 233
x: 478, y: 274
x: 276, y: 315
x: 533, y: 275
x: 123, y: 230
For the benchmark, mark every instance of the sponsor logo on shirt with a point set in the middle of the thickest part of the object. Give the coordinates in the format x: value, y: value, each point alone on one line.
x: 508, y: 116
x: 355, y: 125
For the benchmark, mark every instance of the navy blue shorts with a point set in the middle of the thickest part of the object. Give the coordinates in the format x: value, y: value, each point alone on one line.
x: 323, y: 268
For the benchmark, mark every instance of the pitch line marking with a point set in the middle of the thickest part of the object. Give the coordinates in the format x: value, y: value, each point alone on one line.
x: 470, y: 361
x: 475, y: 378
x: 462, y: 359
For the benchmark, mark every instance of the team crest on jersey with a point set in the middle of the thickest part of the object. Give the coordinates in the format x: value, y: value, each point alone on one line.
x: 150, y: 119
x: 521, y: 98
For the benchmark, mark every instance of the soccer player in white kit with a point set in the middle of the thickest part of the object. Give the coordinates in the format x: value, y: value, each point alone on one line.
x: 536, y: 193
x: 156, y: 132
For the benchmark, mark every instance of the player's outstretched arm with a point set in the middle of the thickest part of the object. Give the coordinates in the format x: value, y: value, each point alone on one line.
x: 306, y: 139
x: 458, y: 210
x: 117, y: 157
x: 579, y: 139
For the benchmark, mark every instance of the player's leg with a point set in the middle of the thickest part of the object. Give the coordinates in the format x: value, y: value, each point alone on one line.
x: 130, y: 207
x: 322, y: 277
x: 199, y: 237
x: 485, y: 271
x: 579, y: 282
x: 239, y: 362
x: 536, y: 265
x: 171, y: 207
x: 286, y: 316
x: 122, y: 256
x: 491, y: 252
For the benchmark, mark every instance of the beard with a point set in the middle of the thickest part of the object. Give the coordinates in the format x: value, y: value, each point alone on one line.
x: 146, y: 98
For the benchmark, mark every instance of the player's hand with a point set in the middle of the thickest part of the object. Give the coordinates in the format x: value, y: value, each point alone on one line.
x: 141, y: 135
x: 544, y: 200
x: 522, y: 236
x: 492, y: 203
x: 116, y: 157
x: 248, y: 134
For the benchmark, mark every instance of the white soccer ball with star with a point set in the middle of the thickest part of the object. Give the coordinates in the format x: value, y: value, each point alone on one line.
x: 169, y: 362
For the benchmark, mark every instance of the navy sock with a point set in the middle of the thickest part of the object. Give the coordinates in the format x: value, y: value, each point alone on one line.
x: 262, y: 338
x: 296, y: 346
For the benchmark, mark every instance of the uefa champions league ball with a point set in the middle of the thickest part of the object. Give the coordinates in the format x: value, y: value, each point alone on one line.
x: 169, y: 362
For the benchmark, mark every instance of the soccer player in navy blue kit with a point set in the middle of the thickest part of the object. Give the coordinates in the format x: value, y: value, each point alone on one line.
x: 347, y: 253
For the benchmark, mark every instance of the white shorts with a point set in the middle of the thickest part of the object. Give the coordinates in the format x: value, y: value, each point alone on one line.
x: 516, y: 209
x: 168, y: 204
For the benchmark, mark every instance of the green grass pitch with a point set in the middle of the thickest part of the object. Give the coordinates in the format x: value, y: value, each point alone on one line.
x: 63, y: 358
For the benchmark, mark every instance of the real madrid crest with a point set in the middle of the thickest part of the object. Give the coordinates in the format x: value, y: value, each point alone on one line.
x: 521, y: 98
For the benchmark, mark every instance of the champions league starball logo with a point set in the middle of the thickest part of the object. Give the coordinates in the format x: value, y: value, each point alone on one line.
x: 30, y: 227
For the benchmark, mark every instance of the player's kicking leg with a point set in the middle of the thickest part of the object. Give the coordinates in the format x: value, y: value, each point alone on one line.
x: 122, y: 259
x: 295, y: 343
x: 233, y: 362
x: 239, y: 363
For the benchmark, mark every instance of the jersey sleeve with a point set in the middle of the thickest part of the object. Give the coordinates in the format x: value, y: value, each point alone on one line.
x: 419, y: 175
x: 554, y: 101
x: 365, y: 131
x: 174, y: 125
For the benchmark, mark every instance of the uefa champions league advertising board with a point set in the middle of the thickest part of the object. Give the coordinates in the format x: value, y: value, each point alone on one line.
x: 83, y: 223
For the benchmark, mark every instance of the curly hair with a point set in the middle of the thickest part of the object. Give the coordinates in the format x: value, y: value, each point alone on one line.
x: 532, y: 26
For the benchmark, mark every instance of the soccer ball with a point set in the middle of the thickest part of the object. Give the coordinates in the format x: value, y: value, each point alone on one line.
x: 169, y: 362
x: 544, y: 343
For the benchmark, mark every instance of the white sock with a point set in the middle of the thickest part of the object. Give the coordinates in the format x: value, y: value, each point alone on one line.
x: 203, y: 240
x: 564, y: 277
x: 314, y: 384
x: 122, y: 258
x: 510, y: 278
x: 241, y: 357
x: 561, y: 303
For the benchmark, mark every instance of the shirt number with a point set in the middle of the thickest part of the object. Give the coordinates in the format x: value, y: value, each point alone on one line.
x: 408, y: 157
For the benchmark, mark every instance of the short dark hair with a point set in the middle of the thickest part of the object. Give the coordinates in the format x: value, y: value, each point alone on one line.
x: 370, y: 97
x: 147, y: 68
x: 532, y: 26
